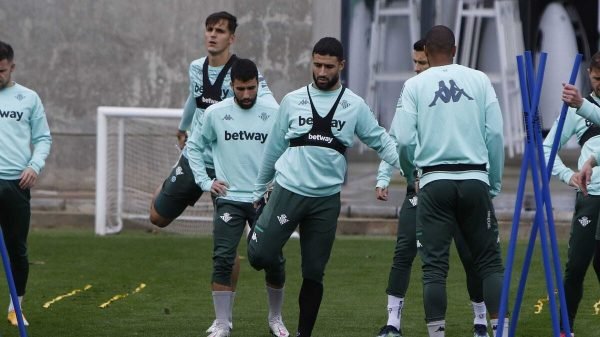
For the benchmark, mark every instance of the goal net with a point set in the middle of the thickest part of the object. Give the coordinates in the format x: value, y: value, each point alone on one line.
x: 136, y: 149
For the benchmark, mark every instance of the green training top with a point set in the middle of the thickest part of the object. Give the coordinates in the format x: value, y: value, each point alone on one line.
x: 574, y: 125
x: 238, y: 138
x: 316, y: 171
x: 450, y: 115
x: 22, y: 123
x: 188, y: 122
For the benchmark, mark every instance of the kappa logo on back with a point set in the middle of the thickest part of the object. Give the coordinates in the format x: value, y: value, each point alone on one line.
x: 446, y: 94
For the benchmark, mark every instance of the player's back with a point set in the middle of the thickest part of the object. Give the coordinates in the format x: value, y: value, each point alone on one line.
x: 451, y: 106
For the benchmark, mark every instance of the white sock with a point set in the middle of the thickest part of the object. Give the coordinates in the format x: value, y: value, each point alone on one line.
x: 394, y: 307
x: 222, y: 302
x: 232, y: 299
x: 275, y: 298
x: 11, y: 307
x: 494, y: 324
x: 437, y: 328
x: 480, y: 313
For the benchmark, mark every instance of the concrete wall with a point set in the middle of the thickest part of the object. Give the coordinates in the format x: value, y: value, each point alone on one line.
x: 81, y: 54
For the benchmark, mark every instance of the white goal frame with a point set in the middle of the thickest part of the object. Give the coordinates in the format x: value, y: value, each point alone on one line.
x: 103, y: 113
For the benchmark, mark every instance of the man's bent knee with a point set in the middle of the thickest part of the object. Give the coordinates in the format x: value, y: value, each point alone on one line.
x: 158, y: 220
x: 259, y: 260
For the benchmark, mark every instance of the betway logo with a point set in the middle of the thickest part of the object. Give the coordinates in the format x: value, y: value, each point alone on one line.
x: 336, y: 123
x: 208, y: 100
x: 11, y: 114
x: 320, y: 138
x: 243, y: 135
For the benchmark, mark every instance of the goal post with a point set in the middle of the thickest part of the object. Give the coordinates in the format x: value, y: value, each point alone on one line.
x: 136, y: 148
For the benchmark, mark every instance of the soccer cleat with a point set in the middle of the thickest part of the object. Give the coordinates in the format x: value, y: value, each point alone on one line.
x: 480, y: 330
x: 564, y: 334
x: 389, y: 331
x: 277, y: 328
x: 12, y: 318
x: 220, y: 330
x: 211, y: 328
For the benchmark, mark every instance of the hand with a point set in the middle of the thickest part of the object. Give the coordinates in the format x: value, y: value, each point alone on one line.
x: 381, y: 193
x: 576, y: 180
x: 181, y: 138
x: 262, y: 201
x: 219, y: 188
x: 584, y: 176
x: 27, y: 179
x: 571, y: 96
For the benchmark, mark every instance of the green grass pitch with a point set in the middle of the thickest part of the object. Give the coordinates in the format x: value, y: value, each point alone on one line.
x: 177, y: 301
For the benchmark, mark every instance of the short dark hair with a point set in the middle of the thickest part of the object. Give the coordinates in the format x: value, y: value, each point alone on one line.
x: 595, y: 61
x: 329, y: 46
x: 244, y: 70
x: 439, y: 40
x: 6, y: 52
x: 214, y: 18
x: 419, y: 45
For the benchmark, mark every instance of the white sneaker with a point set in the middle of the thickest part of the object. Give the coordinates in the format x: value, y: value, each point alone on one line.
x: 219, y: 330
x: 211, y: 328
x: 277, y: 328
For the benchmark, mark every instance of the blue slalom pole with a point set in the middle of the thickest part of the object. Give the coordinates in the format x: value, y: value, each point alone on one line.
x: 527, y: 104
x: 563, y: 115
x: 510, y: 257
x: 546, y: 191
x: 540, y: 202
x: 11, y: 286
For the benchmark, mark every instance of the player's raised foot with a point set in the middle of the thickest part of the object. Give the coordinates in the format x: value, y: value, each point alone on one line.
x: 220, y: 330
x: 389, y: 331
x: 211, y: 328
x: 480, y: 330
x: 277, y: 328
x: 12, y: 318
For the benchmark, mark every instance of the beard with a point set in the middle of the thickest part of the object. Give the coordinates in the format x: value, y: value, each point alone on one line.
x: 330, y: 83
x: 4, y: 84
x: 246, y: 103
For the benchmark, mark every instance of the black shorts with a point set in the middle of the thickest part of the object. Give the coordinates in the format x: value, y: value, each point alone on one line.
x: 179, y: 190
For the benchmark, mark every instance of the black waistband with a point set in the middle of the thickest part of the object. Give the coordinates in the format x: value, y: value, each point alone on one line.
x: 454, y: 168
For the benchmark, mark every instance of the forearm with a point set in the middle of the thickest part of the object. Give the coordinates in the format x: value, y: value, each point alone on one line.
x: 188, y: 113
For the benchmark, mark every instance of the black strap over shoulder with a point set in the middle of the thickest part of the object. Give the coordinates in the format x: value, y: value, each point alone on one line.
x: 320, y: 134
x: 211, y: 93
x: 593, y: 130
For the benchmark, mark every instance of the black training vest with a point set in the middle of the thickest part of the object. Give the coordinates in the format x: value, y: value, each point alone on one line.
x: 593, y: 130
x: 211, y: 93
x: 320, y: 134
